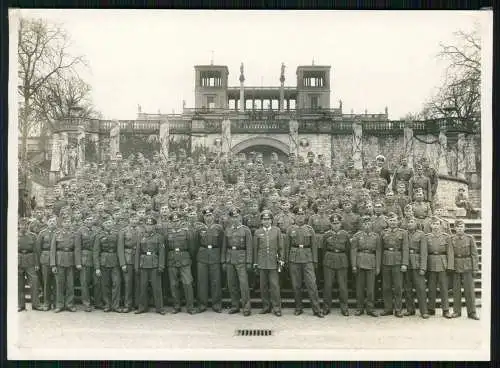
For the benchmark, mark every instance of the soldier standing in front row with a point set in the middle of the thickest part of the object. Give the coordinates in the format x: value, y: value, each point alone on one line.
x: 150, y: 262
x: 237, y: 261
x: 48, y: 278
x: 268, y: 256
x: 466, y: 265
x: 28, y: 264
x: 440, y: 260
x: 394, y: 263
x: 209, y: 239
x: 366, y: 251
x: 336, y: 246
x: 301, y: 253
x: 417, y: 266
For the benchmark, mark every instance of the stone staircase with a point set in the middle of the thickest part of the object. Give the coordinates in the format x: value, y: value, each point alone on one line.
x: 473, y: 227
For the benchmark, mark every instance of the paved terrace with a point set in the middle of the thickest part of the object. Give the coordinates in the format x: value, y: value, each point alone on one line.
x: 45, y: 335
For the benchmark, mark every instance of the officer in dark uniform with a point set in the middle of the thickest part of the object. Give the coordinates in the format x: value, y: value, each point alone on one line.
x: 150, y: 262
x: 28, y: 266
x: 336, y: 246
x: 44, y: 241
x: 394, y: 264
x: 128, y: 238
x: 301, y: 253
x: 466, y: 265
x: 107, y: 265
x: 366, y: 253
x: 237, y: 257
x: 209, y: 238
x: 417, y: 266
x: 440, y: 260
x: 88, y: 279
x: 268, y: 253
x: 180, y: 248
x: 65, y: 254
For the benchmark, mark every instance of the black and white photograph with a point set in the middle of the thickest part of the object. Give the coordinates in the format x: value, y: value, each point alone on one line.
x: 256, y: 185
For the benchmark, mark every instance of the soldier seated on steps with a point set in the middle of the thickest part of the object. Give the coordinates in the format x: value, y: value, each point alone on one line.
x: 462, y: 201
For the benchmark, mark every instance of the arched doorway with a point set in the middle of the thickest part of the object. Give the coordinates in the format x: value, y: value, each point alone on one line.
x: 264, y: 145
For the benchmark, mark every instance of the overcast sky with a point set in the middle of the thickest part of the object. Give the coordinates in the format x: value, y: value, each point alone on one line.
x: 145, y: 57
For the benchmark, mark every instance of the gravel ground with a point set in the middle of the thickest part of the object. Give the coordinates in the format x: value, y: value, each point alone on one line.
x: 96, y: 335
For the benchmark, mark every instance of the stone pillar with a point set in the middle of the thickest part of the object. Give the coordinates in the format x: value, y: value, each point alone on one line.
x: 63, y: 139
x: 80, y: 147
x: 408, y: 144
x: 294, y: 137
x: 443, y: 151
x: 461, y: 160
x: 114, y: 139
x: 357, y: 145
x: 471, y: 155
x: 242, y: 97
x: 94, y: 138
x: 164, y: 139
x: 226, y: 136
x: 55, y: 163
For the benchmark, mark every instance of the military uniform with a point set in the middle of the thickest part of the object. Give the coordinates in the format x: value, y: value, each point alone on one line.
x: 366, y: 252
x: 268, y: 250
x: 423, y: 182
x: 440, y: 260
x: 150, y: 262
x: 48, y: 278
x: 237, y: 257
x: 179, y: 248
x: 106, y: 261
x: 422, y: 212
x: 466, y: 264
x: 415, y: 276
x: 209, y: 240
x: 350, y: 222
x: 88, y: 278
x: 28, y: 265
x: 395, y: 255
x: 65, y: 254
x: 128, y: 238
x: 336, y: 246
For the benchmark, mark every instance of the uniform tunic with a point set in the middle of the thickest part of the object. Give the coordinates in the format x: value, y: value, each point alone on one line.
x: 44, y: 241
x: 439, y: 260
x: 28, y: 259
x: 106, y: 260
x: 466, y: 264
x: 417, y: 244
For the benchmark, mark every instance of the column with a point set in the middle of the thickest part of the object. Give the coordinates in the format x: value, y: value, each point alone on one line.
x: 63, y: 139
x: 443, y: 151
x: 164, y: 139
x: 294, y: 137
x: 226, y: 136
x: 461, y: 160
x: 408, y: 144
x: 55, y: 163
x: 80, y: 147
x: 357, y: 145
x: 242, y: 96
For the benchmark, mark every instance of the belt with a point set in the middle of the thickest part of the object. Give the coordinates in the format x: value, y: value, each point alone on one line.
x: 109, y: 251
x: 392, y: 250
x: 320, y: 232
x: 335, y: 250
x: 65, y: 250
x: 412, y: 251
x: 178, y: 250
x: 366, y: 251
x: 25, y: 252
x: 209, y: 247
x: 149, y: 253
x: 236, y: 248
x: 301, y: 246
x: 438, y: 254
x: 461, y: 257
x: 420, y: 217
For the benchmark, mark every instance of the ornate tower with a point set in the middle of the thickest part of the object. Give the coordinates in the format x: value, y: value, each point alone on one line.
x: 211, y: 86
x: 313, y: 87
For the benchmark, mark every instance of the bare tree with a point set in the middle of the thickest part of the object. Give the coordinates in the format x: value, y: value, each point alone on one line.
x: 43, y: 58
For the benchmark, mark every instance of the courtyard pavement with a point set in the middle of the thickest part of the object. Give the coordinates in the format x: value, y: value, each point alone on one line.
x: 96, y: 335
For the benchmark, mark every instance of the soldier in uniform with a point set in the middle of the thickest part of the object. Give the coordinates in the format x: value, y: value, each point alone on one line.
x: 466, y: 265
x: 402, y: 199
x: 301, y: 253
x: 65, y: 254
x: 440, y: 260
x: 237, y: 261
x: 417, y: 266
x: 379, y: 220
x: 149, y: 259
x: 366, y: 252
x: 422, y: 211
x: 44, y: 241
x: 106, y: 265
x: 180, y: 248
x: 350, y: 220
x: 85, y: 241
x: 430, y: 173
x: 394, y: 263
x: 402, y: 175
x: 268, y: 256
x: 419, y: 180
x: 209, y: 238
x: 28, y: 266
x: 128, y: 238
x: 336, y: 246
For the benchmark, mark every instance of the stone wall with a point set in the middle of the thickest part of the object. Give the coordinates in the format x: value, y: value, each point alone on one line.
x: 447, y: 190
x: 319, y: 144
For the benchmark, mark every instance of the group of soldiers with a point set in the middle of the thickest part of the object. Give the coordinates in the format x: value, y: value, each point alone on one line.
x: 131, y: 223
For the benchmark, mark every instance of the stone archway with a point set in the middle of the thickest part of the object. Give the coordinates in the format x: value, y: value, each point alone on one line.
x: 264, y: 145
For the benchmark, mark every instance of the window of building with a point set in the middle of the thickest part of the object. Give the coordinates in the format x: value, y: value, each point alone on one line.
x: 211, y: 102
x: 314, y: 102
